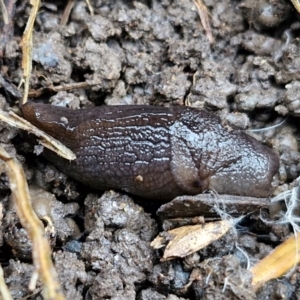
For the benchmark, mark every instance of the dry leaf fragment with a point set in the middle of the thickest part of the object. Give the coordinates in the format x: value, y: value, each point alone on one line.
x: 186, y: 240
x: 278, y: 262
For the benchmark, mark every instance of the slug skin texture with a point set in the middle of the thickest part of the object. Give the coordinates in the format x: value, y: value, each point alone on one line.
x: 156, y: 152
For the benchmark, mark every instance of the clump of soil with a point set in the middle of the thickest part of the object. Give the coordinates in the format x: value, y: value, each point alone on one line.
x: 155, y: 53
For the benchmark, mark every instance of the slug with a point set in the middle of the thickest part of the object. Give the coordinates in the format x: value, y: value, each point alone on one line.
x: 156, y: 152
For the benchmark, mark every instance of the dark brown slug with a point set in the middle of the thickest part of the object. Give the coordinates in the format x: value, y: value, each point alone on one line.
x: 156, y: 152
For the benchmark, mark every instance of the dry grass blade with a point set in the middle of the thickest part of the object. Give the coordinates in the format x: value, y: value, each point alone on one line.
x: 41, y: 251
x: 26, y: 45
x: 296, y: 5
x: 4, y: 12
x: 186, y: 240
x: 44, y: 139
x: 5, y: 294
x: 278, y: 262
x: 204, y: 17
x: 91, y: 9
x: 66, y: 14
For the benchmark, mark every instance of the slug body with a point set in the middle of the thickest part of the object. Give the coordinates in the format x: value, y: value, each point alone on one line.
x: 156, y: 152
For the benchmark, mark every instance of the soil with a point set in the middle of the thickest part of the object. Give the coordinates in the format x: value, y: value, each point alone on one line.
x: 153, y: 53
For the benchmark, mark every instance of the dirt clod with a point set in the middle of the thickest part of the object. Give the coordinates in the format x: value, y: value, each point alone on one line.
x: 153, y: 53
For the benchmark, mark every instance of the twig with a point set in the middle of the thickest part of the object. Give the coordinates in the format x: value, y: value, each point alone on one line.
x: 64, y: 87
